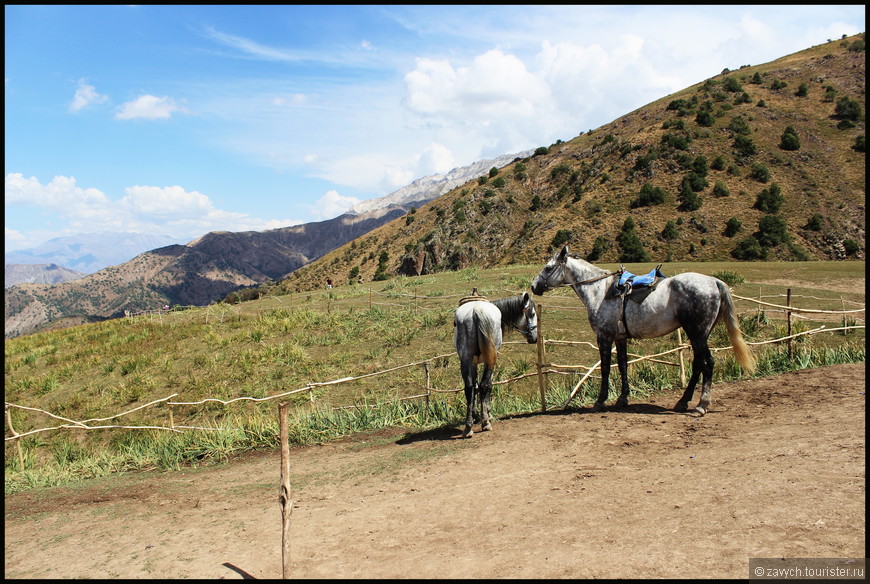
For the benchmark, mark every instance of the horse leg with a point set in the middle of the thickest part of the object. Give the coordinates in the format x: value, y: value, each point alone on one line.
x: 604, y: 347
x: 622, y: 363
x: 485, y: 395
x: 698, y: 350
x: 707, y: 384
x: 469, y: 378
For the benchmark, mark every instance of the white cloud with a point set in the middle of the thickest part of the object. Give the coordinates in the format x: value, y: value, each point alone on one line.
x: 60, y: 193
x: 86, y: 95
x: 166, y: 202
x: 14, y: 239
x: 149, y: 107
x: 332, y: 204
x: 249, y: 47
x: 435, y: 159
x: 495, y: 84
x: 145, y: 209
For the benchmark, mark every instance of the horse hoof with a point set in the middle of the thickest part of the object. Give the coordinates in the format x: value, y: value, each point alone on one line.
x: 700, y: 410
x: 467, y: 433
x: 681, y: 407
x: 486, y: 427
x: 598, y: 407
x: 621, y: 403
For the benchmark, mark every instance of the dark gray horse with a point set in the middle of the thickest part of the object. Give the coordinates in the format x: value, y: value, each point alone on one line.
x: 477, y: 335
x: 693, y: 301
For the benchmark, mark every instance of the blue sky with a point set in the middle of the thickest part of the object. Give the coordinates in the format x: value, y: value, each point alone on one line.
x: 179, y: 120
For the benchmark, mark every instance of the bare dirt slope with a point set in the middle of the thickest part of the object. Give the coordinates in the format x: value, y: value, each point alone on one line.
x: 776, y: 469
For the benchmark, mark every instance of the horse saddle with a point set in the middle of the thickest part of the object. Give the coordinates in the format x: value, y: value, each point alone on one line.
x: 475, y: 297
x: 636, y: 288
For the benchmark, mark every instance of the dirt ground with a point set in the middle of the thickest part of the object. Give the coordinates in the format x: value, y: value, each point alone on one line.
x: 775, y: 469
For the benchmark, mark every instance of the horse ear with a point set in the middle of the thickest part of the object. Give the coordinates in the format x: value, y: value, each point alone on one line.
x: 526, y: 300
x: 564, y: 253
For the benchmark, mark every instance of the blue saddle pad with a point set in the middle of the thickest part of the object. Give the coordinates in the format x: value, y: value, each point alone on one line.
x: 640, y: 281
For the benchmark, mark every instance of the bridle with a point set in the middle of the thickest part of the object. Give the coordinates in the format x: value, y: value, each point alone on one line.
x: 583, y: 282
x: 529, y: 326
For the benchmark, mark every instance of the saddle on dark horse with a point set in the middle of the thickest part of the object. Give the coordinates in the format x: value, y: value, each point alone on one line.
x: 636, y: 288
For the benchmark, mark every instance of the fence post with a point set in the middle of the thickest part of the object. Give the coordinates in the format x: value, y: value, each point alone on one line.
x: 428, y: 390
x: 758, y: 309
x: 788, y: 312
x: 680, y: 354
x: 17, y: 440
x: 284, y: 492
x: 541, y: 379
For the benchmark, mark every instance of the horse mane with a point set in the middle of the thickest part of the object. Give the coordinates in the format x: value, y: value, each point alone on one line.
x: 511, y: 309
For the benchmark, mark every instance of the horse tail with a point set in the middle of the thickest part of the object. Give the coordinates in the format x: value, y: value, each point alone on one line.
x: 485, y: 343
x: 728, y: 314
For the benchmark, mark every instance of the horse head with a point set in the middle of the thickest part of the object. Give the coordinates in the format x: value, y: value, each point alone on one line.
x: 531, y: 317
x: 553, y: 273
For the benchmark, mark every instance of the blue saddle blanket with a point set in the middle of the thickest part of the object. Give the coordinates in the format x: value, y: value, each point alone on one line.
x: 640, y: 281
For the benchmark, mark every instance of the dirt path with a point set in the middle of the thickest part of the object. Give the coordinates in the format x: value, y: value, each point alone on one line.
x: 776, y: 469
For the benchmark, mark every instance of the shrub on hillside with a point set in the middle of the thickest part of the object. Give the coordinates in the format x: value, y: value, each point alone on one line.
x: 760, y: 173
x: 599, y: 247
x: 772, y: 231
x: 649, y: 196
x: 814, y: 223
x: 705, y: 119
x: 789, y: 139
x: 732, y: 227
x: 848, y: 109
x: 632, y: 249
x: 689, y: 199
x: 748, y: 248
x: 562, y: 237
x: 744, y: 146
x: 769, y: 200
x: 720, y: 190
x: 670, y: 233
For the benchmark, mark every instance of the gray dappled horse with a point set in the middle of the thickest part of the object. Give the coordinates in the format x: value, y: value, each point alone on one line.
x: 477, y: 335
x: 693, y: 301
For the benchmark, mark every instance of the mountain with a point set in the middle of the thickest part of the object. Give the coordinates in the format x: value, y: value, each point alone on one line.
x: 764, y: 162
x: 202, y: 271
x: 90, y: 252
x: 38, y: 273
x: 423, y: 190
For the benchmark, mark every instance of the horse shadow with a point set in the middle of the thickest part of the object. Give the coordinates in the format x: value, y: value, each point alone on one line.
x: 433, y: 435
x: 455, y: 432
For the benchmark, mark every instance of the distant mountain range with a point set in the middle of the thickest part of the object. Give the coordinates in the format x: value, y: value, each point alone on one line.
x: 205, y: 269
x: 90, y: 252
x: 423, y: 190
x: 38, y: 274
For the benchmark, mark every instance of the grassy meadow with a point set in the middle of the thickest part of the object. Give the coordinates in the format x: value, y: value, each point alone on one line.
x: 302, y: 341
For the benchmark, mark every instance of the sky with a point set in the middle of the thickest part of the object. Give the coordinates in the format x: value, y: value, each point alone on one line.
x: 180, y: 120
